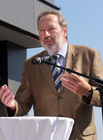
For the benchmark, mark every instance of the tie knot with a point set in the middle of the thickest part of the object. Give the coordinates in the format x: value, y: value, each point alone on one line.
x: 57, y: 56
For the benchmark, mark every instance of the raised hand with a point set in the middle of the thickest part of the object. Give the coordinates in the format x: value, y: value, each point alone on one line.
x: 7, y: 97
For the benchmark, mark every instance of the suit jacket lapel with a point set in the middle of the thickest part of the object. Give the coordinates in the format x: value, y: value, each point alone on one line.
x: 46, y: 73
x: 71, y: 59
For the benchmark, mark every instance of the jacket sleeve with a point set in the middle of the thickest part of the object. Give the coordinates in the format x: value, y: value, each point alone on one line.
x: 23, y: 96
x: 95, y: 72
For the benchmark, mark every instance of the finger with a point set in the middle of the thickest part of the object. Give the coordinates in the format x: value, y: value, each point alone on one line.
x: 9, y: 100
x: 3, y: 89
x: 69, y: 82
x: 68, y: 78
x: 8, y: 97
x: 75, y: 69
x: 72, y: 76
x: 69, y: 86
x: 5, y: 94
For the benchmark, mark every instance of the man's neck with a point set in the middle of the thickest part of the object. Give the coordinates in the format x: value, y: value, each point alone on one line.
x: 62, y: 51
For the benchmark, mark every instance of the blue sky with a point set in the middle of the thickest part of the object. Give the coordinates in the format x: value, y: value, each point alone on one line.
x: 85, y: 27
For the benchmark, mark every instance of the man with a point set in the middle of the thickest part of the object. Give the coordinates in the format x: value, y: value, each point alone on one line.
x: 76, y: 97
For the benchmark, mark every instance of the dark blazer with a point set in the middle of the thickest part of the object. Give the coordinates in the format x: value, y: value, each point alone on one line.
x: 37, y: 88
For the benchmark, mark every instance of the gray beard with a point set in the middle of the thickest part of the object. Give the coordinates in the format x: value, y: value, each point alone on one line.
x: 52, y: 49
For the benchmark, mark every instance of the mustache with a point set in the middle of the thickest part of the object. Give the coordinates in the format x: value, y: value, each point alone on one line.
x: 48, y: 38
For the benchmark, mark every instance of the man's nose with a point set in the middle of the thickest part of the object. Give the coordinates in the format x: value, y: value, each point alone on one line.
x: 46, y: 33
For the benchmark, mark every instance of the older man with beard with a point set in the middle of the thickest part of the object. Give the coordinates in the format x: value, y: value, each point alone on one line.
x: 75, y: 96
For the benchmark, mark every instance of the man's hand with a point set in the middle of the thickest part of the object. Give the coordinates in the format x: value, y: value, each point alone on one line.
x: 75, y: 83
x: 7, y: 97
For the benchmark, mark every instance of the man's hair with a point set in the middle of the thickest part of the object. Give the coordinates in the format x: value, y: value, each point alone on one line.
x: 59, y: 15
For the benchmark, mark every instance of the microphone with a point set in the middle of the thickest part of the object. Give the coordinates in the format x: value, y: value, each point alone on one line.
x: 40, y: 60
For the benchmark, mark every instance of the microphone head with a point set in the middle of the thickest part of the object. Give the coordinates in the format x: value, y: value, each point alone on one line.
x: 36, y: 60
x: 40, y: 60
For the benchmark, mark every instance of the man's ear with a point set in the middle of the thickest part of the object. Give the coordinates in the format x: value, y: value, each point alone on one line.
x: 65, y: 32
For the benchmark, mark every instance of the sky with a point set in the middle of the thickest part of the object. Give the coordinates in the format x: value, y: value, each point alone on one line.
x: 85, y: 27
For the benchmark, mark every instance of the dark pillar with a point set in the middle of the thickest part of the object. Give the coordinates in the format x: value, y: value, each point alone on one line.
x: 3, y: 71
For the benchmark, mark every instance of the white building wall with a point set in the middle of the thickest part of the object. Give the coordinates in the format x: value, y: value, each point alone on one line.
x: 22, y: 13
x: 18, y: 13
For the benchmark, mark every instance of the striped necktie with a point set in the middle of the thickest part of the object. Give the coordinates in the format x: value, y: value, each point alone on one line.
x: 56, y: 72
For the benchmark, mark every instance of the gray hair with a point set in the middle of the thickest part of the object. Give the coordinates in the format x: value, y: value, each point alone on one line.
x: 59, y: 15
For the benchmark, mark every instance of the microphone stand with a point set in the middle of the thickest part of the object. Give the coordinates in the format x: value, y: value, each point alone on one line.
x: 99, y: 82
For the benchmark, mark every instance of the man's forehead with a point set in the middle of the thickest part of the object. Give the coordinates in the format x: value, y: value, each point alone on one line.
x: 48, y: 20
x: 50, y: 17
